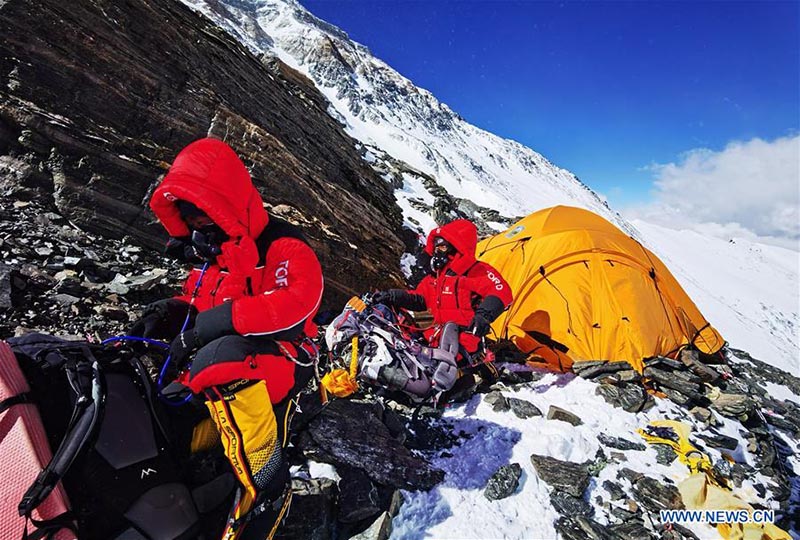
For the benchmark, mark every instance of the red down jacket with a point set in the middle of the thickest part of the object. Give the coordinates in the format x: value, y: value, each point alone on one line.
x: 460, y: 287
x: 273, y: 281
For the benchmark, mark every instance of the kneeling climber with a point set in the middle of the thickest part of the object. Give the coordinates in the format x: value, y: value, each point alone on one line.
x: 251, y: 308
x: 459, y: 289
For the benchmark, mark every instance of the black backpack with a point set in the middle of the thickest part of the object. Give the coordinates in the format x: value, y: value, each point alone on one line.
x: 113, y: 442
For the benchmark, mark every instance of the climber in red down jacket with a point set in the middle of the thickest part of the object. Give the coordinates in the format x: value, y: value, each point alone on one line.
x: 459, y: 288
x: 251, y: 312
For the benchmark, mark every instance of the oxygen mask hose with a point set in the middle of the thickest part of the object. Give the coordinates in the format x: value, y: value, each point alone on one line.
x: 162, y: 373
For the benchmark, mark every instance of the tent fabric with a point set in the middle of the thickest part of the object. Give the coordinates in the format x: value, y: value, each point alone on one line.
x: 596, y: 293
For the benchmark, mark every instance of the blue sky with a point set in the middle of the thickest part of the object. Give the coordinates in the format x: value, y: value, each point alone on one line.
x: 604, y: 89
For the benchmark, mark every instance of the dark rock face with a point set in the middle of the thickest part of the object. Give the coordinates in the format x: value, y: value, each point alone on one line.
x: 503, y: 483
x: 351, y: 433
x: 572, y: 478
x: 96, y: 101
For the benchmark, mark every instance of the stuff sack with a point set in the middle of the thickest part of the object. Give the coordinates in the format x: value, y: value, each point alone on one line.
x: 113, y: 455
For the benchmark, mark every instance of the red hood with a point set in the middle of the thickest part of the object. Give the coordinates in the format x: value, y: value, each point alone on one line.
x: 209, y: 174
x: 463, y: 235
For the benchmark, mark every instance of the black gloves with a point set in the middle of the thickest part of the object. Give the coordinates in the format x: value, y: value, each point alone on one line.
x: 382, y: 297
x: 479, y: 325
x: 400, y: 299
x: 489, y: 309
x: 162, y: 319
x: 210, y: 325
x: 182, y: 347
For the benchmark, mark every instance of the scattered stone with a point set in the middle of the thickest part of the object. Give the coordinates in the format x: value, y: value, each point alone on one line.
x: 557, y: 413
x: 631, y: 397
x: 733, y: 405
x: 704, y: 415
x: 503, y: 483
x: 567, y: 505
x: 655, y: 495
x: 717, y: 440
x: 498, y: 401
x: 65, y: 299
x: 573, y: 478
x: 631, y: 530
x: 665, y: 454
x: 618, y: 457
x: 594, y: 369
x: 582, y: 528
x: 624, y: 514
x: 691, y: 359
x: 5, y: 287
x: 620, y: 444
x: 676, y: 532
x: 683, y: 382
x: 630, y: 475
x: 523, y: 409
x: 614, y: 489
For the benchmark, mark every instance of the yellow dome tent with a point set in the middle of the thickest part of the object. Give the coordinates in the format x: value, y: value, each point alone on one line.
x: 584, y: 290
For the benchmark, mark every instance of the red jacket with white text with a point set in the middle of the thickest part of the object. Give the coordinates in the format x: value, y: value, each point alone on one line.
x: 463, y: 285
x: 267, y: 271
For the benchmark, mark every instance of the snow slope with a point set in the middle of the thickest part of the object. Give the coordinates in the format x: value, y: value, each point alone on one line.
x: 749, y: 291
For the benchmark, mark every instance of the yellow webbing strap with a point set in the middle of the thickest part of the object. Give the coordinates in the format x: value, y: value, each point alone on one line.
x: 342, y: 383
x: 354, y: 358
x: 703, y: 489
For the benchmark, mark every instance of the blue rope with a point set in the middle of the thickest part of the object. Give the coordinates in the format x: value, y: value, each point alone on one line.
x: 160, y: 381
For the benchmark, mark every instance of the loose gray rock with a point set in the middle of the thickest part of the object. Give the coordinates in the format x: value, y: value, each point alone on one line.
x: 557, y: 413
x: 655, y: 495
x: 676, y: 532
x: 498, y: 401
x: 581, y: 528
x: 632, y: 530
x: 572, y: 478
x: 523, y: 409
x: 717, y: 440
x: 66, y: 299
x: 631, y: 397
x: 620, y: 444
x: 665, y: 454
x: 503, y: 483
x: 733, y: 405
x: 569, y: 506
x: 594, y: 369
x: 614, y: 489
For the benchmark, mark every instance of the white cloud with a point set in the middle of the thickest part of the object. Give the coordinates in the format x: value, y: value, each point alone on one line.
x: 749, y: 189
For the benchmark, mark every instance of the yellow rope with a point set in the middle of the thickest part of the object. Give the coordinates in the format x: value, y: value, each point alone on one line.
x: 354, y: 358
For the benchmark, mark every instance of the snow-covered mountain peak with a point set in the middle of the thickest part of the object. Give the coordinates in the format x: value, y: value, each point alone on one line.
x: 385, y: 110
